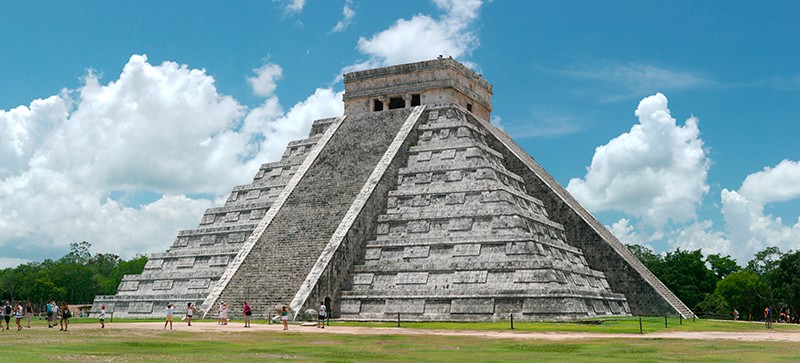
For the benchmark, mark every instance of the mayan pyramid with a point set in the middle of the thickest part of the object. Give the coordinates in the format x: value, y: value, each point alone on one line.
x: 410, y: 203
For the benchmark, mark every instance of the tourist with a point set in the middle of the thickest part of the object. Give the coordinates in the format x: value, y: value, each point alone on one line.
x: 29, y: 312
x: 247, y: 312
x: 169, y: 312
x: 65, y: 315
x: 285, y: 317
x: 102, y: 317
x: 20, y: 312
x: 7, y: 316
x: 2, y: 316
x: 219, y: 312
x: 189, y: 313
x: 735, y: 314
x: 49, y: 309
x: 56, y: 314
x: 768, y: 317
x: 322, y: 314
x: 223, y: 313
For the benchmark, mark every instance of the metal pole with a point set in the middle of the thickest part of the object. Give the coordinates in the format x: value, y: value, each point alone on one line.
x: 512, y: 320
x: 665, y: 321
x: 681, y: 317
x: 398, y: 319
x: 640, y: 326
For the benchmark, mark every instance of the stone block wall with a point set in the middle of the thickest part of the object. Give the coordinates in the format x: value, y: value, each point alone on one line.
x: 646, y: 295
x: 279, y: 262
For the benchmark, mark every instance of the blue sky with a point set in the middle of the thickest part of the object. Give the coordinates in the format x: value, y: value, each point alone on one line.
x: 121, y: 123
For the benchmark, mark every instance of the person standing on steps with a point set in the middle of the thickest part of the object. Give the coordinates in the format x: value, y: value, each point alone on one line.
x: 247, y: 312
x: 189, y: 313
x: 285, y: 317
x: 169, y: 312
x: 323, y: 313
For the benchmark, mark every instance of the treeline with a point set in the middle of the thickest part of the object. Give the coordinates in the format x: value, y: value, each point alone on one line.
x: 74, y: 278
x: 714, y: 285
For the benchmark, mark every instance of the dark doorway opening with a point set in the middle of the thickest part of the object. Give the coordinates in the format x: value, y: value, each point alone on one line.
x: 415, y: 100
x: 396, y: 102
x: 377, y: 105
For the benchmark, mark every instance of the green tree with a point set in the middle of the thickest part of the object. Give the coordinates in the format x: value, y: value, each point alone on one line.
x: 722, y: 266
x: 765, y: 261
x: 786, y: 281
x: 686, y: 274
x: 645, y: 256
x: 714, y: 306
x: 744, y: 291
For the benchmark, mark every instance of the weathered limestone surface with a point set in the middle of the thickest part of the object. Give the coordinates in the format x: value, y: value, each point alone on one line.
x: 625, y: 274
x: 280, y: 261
x: 410, y: 203
x: 198, y: 257
x: 461, y: 239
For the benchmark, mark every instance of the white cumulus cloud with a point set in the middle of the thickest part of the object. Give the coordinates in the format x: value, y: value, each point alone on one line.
x: 776, y: 184
x: 264, y: 82
x: 162, y: 130
x: 751, y: 230
x: 657, y: 171
x: 423, y: 37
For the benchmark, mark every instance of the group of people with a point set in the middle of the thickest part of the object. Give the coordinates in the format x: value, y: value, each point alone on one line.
x: 9, y: 310
x: 222, y: 319
x: 56, y: 315
x: 785, y: 316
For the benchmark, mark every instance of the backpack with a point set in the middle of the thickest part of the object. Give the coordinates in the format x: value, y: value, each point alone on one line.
x: 8, y: 309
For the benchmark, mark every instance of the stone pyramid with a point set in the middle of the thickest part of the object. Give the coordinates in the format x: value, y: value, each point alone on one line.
x: 188, y: 270
x: 410, y: 203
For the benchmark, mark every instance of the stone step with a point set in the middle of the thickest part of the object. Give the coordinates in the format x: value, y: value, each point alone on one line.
x: 305, y: 222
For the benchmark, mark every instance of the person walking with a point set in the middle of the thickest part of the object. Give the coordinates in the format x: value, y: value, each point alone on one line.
x: 29, y: 313
x: 323, y: 313
x: 102, y: 317
x: 247, y: 312
x: 7, y: 309
x: 768, y: 317
x: 285, y: 317
x: 224, y: 314
x: 49, y: 309
x: 57, y: 315
x: 65, y: 315
x: 20, y: 313
x: 2, y: 316
x: 189, y: 313
x: 169, y: 312
x: 735, y: 314
x: 219, y: 312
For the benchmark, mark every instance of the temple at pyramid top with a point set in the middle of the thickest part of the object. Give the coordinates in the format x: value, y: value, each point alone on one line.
x: 441, y: 81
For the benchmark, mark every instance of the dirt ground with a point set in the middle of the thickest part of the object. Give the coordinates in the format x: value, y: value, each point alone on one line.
x: 766, y: 335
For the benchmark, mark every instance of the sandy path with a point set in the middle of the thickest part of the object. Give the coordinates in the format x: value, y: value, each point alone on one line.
x: 766, y: 335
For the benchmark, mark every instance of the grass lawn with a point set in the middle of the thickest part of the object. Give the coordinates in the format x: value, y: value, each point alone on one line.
x: 121, y: 344
x: 611, y: 325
